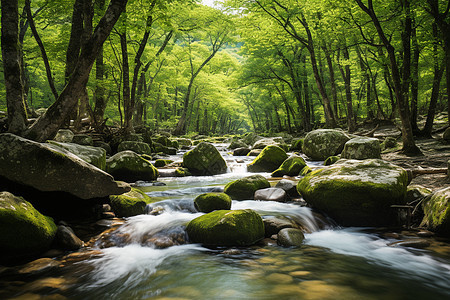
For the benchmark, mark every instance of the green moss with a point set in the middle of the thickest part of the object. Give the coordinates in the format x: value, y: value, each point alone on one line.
x: 291, y: 167
x: 130, y: 167
x: 306, y: 170
x: 146, y: 157
x: 244, y: 188
x: 182, y: 172
x: 436, y: 208
x: 227, y: 228
x: 204, y: 159
x: 23, y: 230
x: 138, y: 147
x: 331, y: 160
x: 212, y: 201
x: 162, y: 162
x: 130, y: 204
x: 268, y: 160
x: 296, y: 145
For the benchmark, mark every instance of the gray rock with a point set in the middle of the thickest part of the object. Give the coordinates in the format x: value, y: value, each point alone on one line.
x: 93, y: 155
x: 288, y: 186
x: 322, y: 143
x: 64, y: 136
x: 271, y: 194
x: 273, y: 225
x: 66, y: 239
x: 204, y: 159
x: 362, y: 148
x: 290, y: 237
x: 138, y: 147
x: 45, y: 168
x: 261, y: 144
x: 83, y: 139
x: 254, y: 152
x: 241, y: 151
x: 237, y: 144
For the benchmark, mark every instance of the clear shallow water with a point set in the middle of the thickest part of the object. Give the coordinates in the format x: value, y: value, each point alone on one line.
x: 333, y: 263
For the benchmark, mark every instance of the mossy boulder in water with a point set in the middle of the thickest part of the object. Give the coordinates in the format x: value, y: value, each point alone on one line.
x: 362, y: 148
x: 296, y: 145
x: 245, y: 188
x: 291, y: 167
x: 182, y: 172
x: 331, y: 160
x: 45, y: 168
x: 129, y: 166
x: 23, y: 230
x: 263, y: 143
x: 356, y: 193
x: 227, y: 228
x: 290, y: 237
x: 94, y: 155
x: 436, y: 208
x: 138, y: 147
x: 130, y: 204
x: 212, y: 201
x: 322, y: 143
x: 237, y: 144
x: 159, y: 163
x: 204, y: 159
x: 268, y: 160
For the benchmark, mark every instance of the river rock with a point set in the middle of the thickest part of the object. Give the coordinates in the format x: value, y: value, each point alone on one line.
x: 23, y: 230
x: 322, y: 143
x: 64, y: 136
x: 254, y: 152
x: 290, y: 167
x: 241, y: 151
x: 130, y: 204
x: 212, y: 201
x: 93, y: 155
x: 159, y: 163
x: 356, y: 193
x: 184, y: 142
x: 138, y: 147
x: 245, y: 188
x: 290, y: 237
x: 272, y: 225
x: 182, y: 172
x: 289, y: 186
x: 45, y: 168
x: 271, y: 194
x: 83, y: 139
x: 251, y: 137
x: 268, y: 160
x: 263, y: 143
x: 436, y: 208
x: 296, y: 145
x: 160, y: 148
x: 331, y: 160
x: 66, y: 239
x: 362, y: 148
x: 227, y: 228
x: 204, y: 159
x: 130, y: 167
x: 237, y: 144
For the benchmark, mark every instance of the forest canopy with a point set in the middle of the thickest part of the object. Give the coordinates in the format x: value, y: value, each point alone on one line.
x: 237, y: 66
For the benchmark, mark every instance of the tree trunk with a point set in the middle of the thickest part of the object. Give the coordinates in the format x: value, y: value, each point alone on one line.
x: 127, y: 106
x: 100, y: 97
x: 414, y: 78
x: 17, y: 115
x: 49, y: 123
x: 346, y: 75
x: 332, y: 81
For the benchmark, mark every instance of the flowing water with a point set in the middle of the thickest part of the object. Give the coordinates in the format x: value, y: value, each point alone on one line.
x: 333, y: 263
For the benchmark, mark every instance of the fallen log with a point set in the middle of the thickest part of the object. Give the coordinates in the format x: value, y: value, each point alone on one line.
x: 421, y: 171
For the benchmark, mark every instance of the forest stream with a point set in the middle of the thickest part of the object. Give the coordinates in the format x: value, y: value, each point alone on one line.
x: 333, y: 262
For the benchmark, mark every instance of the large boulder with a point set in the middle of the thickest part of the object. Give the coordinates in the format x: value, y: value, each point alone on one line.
x: 138, y: 147
x: 23, y: 230
x: 356, y: 193
x: 322, y: 143
x: 261, y: 144
x: 237, y: 144
x: 290, y: 237
x: 245, y: 188
x: 362, y: 148
x: 130, y: 167
x: 130, y: 204
x: 290, y: 167
x: 46, y: 168
x: 204, y: 159
x: 227, y: 228
x: 268, y: 160
x: 212, y: 201
x: 241, y: 151
x: 436, y: 208
x: 94, y: 155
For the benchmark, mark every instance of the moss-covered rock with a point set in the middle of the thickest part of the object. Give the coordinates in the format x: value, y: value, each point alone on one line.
x: 183, y: 142
x: 254, y: 152
x: 290, y: 237
x: 331, y: 160
x: 389, y: 142
x: 296, y: 145
x: 64, y: 136
x: 292, y: 166
x: 53, y: 169
x: 356, y: 193
x: 182, y: 172
x: 322, y: 143
x: 159, y: 163
x: 93, y: 155
x: 436, y: 208
x: 138, y: 147
x: 263, y: 143
x: 204, y: 159
x: 306, y: 170
x: 130, y: 204
x: 83, y: 139
x: 241, y: 151
x: 129, y: 166
x: 212, y: 201
x: 160, y: 148
x: 268, y: 160
x: 245, y: 188
x: 362, y: 148
x: 23, y: 230
x: 227, y: 228
x: 237, y: 144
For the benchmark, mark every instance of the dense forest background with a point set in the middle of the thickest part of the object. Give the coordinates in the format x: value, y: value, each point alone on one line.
x: 260, y: 65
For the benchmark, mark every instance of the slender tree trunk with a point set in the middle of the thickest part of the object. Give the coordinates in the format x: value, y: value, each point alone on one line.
x: 100, y: 97
x: 127, y: 107
x: 17, y: 115
x: 332, y: 80
x: 414, y: 78
x: 49, y: 123
x: 346, y: 75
